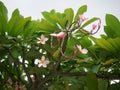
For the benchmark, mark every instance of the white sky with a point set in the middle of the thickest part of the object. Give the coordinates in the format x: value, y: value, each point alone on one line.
x: 34, y: 8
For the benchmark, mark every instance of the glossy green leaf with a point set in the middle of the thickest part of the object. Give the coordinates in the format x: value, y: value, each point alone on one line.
x: 89, y: 22
x: 80, y: 11
x: 61, y: 19
x: 110, y: 32
x: 115, y: 43
x: 85, y: 41
x: 17, y: 23
x: 50, y: 16
x: 56, y: 19
x: 47, y: 27
x: 69, y: 14
x: 105, y: 45
x: 30, y: 28
x: 3, y: 18
x: 113, y: 23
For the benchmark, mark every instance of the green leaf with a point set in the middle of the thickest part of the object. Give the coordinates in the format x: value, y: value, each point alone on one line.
x: 115, y: 43
x: 3, y: 18
x: 91, y: 81
x: 89, y: 22
x: 30, y: 28
x: 113, y: 23
x: 105, y: 45
x: 17, y: 23
x: 80, y: 11
x: 49, y: 16
x: 69, y: 14
x: 47, y: 27
x: 61, y: 20
x: 110, y: 32
x: 56, y: 19
x: 102, y: 84
x: 86, y: 42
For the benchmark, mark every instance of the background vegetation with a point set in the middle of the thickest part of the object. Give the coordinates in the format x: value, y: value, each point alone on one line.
x: 69, y: 66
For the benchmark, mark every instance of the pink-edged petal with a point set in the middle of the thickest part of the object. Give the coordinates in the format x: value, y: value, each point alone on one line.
x: 47, y: 62
x: 44, y: 65
x: 84, y: 51
x: 43, y: 58
x: 46, y: 39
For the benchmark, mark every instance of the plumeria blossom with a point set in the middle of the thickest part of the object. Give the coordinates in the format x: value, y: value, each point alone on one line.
x: 42, y: 63
x: 83, y: 51
x: 82, y: 18
x: 42, y: 39
x: 59, y: 36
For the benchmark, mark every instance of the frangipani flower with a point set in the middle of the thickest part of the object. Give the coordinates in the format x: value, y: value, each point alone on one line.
x: 42, y: 62
x: 83, y: 51
x: 59, y: 35
x: 82, y: 18
x: 42, y: 39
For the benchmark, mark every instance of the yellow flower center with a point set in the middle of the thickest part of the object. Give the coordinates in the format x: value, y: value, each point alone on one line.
x: 42, y: 62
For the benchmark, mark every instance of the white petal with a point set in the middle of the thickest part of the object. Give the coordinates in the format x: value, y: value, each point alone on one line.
x: 38, y: 38
x: 36, y: 61
x: 40, y: 65
x: 38, y: 41
x: 42, y: 36
x: 44, y: 65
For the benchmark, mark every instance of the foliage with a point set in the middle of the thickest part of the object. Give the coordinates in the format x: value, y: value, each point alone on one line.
x: 57, y: 52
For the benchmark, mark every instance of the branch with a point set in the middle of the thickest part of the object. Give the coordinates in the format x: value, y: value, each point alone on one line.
x: 102, y: 76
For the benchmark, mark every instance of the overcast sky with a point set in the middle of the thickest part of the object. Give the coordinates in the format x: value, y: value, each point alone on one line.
x: 34, y: 8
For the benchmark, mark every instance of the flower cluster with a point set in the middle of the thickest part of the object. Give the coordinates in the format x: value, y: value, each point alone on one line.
x: 42, y: 40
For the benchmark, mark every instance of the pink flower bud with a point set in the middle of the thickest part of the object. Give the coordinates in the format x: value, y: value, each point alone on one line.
x: 59, y: 36
x: 94, y: 26
x: 82, y: 18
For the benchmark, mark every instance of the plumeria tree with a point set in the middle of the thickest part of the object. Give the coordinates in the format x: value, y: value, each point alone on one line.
x: 58, y: 51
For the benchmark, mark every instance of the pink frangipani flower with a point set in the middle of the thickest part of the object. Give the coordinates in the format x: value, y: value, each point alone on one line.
x: 42, y: 62
x: 59, y: 36
x: 83, y: 51
x: 42, y: 39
